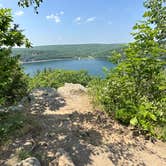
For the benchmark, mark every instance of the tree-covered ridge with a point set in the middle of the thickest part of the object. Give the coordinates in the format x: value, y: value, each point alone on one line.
x: 67, y: 51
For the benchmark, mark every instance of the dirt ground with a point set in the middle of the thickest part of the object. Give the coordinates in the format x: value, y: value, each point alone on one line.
x: 91, y: 138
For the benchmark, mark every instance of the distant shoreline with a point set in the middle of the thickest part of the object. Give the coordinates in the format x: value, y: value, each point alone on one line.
x: 38, y: 61
x: 49, y: 60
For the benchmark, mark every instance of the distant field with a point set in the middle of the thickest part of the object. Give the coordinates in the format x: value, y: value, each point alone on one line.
x: 66, y: 51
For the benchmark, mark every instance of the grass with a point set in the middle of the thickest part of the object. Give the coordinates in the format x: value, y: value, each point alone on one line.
x: 15, y: 124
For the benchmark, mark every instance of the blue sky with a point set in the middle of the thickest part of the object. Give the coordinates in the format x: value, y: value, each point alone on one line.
x: 78, y: 21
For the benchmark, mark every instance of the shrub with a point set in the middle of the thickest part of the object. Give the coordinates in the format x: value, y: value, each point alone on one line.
x: 14, y: 124
x: 134, y: 92
x: 57, y: 78
x: 142, y: 105
x: 13, y: 82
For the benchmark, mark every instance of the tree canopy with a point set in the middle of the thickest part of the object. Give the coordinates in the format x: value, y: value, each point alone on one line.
x: 10, y: 34
x: 12, y: 79
x: 27, y: 3
x: 135, y: 90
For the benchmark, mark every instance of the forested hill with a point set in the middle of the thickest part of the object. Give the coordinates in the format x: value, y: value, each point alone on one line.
x: 66, y: 51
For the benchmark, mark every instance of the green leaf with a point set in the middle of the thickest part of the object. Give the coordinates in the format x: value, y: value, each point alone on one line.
x: 152, y: 116
x: 134, y: 121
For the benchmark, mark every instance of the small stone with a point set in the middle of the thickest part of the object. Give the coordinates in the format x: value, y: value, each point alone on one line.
x: 3, y: 109
x: 50, y: 154
x: 28, y: 143
x: 42, y: 143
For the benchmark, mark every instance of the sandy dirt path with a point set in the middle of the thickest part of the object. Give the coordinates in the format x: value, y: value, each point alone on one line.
x: 69, y: 122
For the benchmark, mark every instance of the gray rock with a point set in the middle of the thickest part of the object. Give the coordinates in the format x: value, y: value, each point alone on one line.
x: 19, y: 107
x: 70, y: 89
x: 31, y: 161
x: 3, y: 109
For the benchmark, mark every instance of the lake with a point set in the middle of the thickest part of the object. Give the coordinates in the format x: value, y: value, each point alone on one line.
x: 93, y: 66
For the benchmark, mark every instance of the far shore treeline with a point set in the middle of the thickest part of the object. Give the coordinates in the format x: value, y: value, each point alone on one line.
x: 76, y: 51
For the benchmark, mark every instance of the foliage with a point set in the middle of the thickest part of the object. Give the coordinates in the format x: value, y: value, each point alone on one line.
x: 134, y: 92
x: 14, y: 124
x: 27, y: 3
x: 57, y: 78
x: 12, y: 80
x: 24, y: 154
x: 10, y: 34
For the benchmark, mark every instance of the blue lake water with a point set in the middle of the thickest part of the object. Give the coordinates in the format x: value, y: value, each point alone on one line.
x: 93, y: 66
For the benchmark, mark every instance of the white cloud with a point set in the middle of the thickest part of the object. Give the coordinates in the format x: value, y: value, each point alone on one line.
x: 78, y: 20
x: 61, y: 12
x: 90, y: 19
x: 19, y: 13
x: 55, y: 17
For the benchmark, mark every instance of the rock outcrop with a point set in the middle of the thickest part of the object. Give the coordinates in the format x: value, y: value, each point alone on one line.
x: 70, y: 89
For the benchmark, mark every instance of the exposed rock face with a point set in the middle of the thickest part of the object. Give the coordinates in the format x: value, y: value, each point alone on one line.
x: 72, y: 89
x: 31, y: 161
x: 62, y: 159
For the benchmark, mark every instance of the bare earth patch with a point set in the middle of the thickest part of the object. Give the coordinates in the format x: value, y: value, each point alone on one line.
x: 90, y: 138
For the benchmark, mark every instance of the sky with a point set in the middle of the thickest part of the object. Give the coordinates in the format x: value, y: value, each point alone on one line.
x: 78, y: 21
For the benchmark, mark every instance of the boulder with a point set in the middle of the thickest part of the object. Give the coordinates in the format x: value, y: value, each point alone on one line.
x: 70, y: 89
x: 31, y: 161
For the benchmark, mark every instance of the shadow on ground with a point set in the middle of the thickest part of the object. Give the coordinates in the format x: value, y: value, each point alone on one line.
x: 45, y: 101
x: 66, y: 132
x: 79, y: 134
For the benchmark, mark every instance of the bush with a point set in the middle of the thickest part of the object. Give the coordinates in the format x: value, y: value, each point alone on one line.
x: 57, y: 78
x: 134, y: 92
x: 142, y: 105
x: 13, y: 82
x: 14, y: 124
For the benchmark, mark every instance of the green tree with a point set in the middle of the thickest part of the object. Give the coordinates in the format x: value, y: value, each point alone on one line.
x: 135, y: 91
x: 12, y: 79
